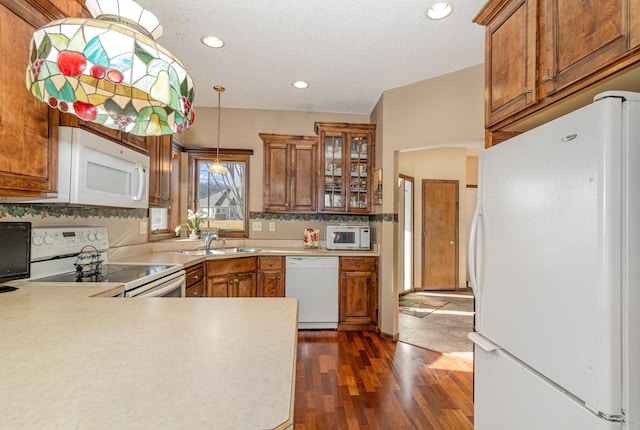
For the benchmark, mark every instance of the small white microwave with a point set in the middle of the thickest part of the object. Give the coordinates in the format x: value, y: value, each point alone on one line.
x: 349, y: 237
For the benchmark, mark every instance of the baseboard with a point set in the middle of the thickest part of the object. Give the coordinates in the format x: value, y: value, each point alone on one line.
x: 393, y: 337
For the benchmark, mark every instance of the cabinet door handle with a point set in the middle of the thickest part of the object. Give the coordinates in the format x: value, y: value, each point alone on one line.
x: 270, y: 263
x: 195, y: 277
x: 525, y: 91
x: 546, y: 78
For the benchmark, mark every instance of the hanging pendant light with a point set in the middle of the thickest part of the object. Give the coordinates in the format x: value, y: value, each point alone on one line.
x: 216, y: 166
x: 108, y: 69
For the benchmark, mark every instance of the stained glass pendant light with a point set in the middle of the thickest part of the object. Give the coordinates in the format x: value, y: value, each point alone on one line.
x: 108, y: 69
x: 217, y: 166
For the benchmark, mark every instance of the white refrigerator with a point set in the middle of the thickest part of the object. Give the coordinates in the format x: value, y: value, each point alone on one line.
x: 555, y: 269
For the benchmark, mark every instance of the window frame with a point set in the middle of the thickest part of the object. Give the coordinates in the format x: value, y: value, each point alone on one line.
x: 209, y: 155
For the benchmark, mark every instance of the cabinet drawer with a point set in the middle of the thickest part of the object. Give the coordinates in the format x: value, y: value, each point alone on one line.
x: 270, y: 263
x: 233, y: 265
x: 195, y: 290
x: 359, y: 263
x: 194, y: 274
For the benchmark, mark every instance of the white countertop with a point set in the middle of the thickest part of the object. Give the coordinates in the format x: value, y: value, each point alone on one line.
x: 68, y: 360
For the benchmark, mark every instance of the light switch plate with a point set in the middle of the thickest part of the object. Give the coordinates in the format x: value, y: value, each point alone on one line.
x: 143, y: 227
x: 272, y: 226
x: 256, y: 226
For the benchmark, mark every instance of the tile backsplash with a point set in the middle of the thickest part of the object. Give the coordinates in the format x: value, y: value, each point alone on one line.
x: 123, y: 225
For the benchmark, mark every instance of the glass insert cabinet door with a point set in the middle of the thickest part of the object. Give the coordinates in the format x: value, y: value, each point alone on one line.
x: 345, y: 172
x: 333, y: 171
x: 358, y: 180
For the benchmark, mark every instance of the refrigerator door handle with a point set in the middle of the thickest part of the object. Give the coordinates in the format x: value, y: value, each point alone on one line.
x: 482, y: 342
x: 473, y: 236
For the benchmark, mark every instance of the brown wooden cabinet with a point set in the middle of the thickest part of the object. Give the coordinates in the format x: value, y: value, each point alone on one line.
x: 271, y: 276
x: 195, y: 281
x: 28, y: 136
x: 511, y: 60
x: 234, y: 277
x: 290, y: 164
x: 137, y: 143
x: 539, y: 52
x: 346, y: 153
x: 634, y: 24
x: 581, y: 38
x: 160, y: 171
x: 358, y: 309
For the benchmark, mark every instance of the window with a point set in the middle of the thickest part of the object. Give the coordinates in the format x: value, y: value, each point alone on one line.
x: 223, y: 197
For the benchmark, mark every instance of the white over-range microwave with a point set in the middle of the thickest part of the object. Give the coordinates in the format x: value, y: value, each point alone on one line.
x: 349, y: 237
x: 95, y: 171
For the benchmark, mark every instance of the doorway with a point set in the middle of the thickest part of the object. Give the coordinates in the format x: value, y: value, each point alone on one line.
x: 440, y: 234
x: 406, y: 233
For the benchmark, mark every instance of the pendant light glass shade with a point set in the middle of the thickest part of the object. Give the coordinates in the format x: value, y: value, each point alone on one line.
x: 217, y: 166
x: 108, y: 69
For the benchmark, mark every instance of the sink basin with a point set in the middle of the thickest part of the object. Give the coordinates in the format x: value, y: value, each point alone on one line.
x: 231, y: 250
x: 217, y: 251
x: 197, y: 252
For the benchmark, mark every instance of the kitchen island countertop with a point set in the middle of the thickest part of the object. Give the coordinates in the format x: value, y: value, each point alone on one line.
x: 74, y: 361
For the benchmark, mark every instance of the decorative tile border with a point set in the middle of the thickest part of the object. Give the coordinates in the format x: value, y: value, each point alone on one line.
x: 44, y: 211
x: 323, y: 217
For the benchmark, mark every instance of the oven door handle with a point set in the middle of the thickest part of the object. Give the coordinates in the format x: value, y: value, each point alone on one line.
x: 148, y: 289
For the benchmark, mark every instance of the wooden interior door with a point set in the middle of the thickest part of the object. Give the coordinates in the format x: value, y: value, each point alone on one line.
x: 439, y: 234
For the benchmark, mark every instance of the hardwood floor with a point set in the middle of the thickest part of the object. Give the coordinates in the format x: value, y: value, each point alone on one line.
x: 359, y: 380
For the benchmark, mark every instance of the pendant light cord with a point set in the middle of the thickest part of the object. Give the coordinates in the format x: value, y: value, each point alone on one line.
x: 219, y: 89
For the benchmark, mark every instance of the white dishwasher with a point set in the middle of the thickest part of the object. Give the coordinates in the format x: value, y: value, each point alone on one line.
x: 314, y: 282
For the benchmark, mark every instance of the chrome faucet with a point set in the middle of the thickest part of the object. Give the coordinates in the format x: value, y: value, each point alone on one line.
x: 211, y: 235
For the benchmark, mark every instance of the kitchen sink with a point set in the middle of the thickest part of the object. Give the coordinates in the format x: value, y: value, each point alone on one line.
x: 197, y: 252
x: 232, y: 250
x: 217, y: 251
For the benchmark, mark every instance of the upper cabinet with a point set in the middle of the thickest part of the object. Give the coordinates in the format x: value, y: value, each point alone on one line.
x: 539, y: 52
x: 511, y: 60
x: 137, y: 143
x: 160, y: 154
x: 346, y: 155
x: 28, y: 136
x: 290, y: 164
x: 581, y: 38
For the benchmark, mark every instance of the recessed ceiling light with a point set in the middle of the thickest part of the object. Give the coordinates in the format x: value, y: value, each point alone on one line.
x: 212, y: 41
x: 301, y: 84
x: 439, y: 10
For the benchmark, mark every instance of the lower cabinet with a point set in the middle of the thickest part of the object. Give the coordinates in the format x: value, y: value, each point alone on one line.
x: 264, y: 276
x: 270, y: 276
x: 195, y: 281
x: 358, y: 308
x: 234, y: 277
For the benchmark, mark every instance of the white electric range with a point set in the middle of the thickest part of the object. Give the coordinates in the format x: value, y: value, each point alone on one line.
x: 78, y: 254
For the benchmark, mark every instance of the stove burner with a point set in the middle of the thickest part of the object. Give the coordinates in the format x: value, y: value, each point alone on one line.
x: 89, y: 277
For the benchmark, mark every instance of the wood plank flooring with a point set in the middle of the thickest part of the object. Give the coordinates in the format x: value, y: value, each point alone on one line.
x: 359, y: 380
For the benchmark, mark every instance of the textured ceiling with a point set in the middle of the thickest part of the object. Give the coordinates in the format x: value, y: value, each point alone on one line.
x: 349, y: 50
